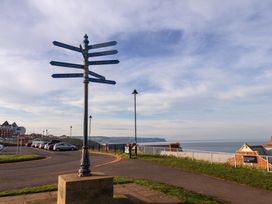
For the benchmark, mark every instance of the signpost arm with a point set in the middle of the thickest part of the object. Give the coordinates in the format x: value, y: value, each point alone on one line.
x: 84, y: 169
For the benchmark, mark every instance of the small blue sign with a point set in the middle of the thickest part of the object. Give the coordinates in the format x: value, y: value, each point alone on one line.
x: 106, y: 44
x: 69, y: 75
x: 103, y: 62
x: 65, y: 64
x: 102, y: 81
x: 96, y: 75
x: 69, y: 47
x: 96, y: 54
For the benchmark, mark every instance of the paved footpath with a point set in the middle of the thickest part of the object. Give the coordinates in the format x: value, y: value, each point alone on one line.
x: 224, y: 190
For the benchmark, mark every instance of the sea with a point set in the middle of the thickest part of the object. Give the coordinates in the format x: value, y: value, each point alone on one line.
x: 219, y: 145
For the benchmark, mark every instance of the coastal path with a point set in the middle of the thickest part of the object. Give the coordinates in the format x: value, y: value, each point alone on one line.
x: 221, y: 189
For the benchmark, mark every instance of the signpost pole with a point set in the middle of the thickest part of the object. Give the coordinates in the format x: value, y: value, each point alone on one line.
x: 84, y: 169
x: 135, y: 124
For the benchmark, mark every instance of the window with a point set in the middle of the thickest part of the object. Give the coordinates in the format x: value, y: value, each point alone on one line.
x: 250, y: 159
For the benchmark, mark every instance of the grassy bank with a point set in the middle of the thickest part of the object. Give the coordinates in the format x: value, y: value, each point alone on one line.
x: 183, y: 196
x: 18, y: 158
x: 37, y: 189
x: 243, y: 175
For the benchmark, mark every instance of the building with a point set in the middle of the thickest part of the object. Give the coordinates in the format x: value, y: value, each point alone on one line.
x: 257, y: 156
x: 9, y: 131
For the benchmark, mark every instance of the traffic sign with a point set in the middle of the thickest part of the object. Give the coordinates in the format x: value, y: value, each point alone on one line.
x: 20, y: 130
x: 101, y: 62
x: 106, y: 44
x: 96, y: 75
x: 102, y: 81
x: 65, y: 64
x: 96, y: 54
x: 69, y: 47
x: 69, y: 75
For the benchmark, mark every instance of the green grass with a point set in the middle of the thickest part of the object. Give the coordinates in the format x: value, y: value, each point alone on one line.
x: 37, y: 189
x: 18, y: 158
x: 183, y: 195
x: 243, y: 175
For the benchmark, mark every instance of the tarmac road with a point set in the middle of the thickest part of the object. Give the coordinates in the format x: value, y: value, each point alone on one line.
x: 44, y: 171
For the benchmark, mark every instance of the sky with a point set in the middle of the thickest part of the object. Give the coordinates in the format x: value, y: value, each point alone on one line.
x: 203, y: 69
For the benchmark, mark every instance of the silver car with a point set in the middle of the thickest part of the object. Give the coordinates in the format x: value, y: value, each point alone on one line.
x: 64, y: 146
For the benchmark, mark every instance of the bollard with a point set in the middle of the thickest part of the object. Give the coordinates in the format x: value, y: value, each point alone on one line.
x: 129, y: 149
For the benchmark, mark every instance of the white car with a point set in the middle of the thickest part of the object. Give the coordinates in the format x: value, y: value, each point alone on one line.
x: 1, y: 147
x: 64, y: 146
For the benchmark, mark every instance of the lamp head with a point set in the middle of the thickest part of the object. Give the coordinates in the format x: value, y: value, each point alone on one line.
x: 134, y: 92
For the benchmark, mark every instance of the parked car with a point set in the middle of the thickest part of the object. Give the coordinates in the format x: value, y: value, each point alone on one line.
x: 1, y: 147
x: 50, y: 145
x: 42, y: 144
x: 28, y: 144
x: 64, y: 146
x: 36, y: 143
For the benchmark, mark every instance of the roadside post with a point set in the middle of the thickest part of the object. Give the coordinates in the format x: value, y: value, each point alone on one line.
x: 88, y: 76
x: 19, y: 140
x: 135, y: 120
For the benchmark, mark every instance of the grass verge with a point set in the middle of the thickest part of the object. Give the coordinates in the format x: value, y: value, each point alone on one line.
x: 18, y: 158
x: 243, y: 175
x: 183, y: 195
x: 37, y: 189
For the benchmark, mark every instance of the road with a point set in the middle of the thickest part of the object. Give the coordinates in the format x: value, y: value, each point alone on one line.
x: 44, y: 171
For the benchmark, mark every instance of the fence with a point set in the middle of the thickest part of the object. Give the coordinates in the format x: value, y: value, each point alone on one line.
x: 250, y: 160
x: 212, y: 157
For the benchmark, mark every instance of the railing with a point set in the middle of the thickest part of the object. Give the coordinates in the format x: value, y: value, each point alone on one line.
x: 262, y: 161
x: 212, y: 157
x: 235, y: 159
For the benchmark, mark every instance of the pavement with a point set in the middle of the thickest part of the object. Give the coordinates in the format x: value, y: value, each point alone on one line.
x: 123, y: 194
x: 214, y: 187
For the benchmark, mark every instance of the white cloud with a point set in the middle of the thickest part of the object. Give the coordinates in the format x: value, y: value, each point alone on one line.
x: 222, y: 55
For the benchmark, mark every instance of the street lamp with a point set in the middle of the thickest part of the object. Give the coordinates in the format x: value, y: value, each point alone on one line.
x: 135, y: 127
x: 71, y: 130
x: 90, y: 125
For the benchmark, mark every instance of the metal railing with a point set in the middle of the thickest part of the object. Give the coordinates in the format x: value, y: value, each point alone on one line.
x: 262, y: 161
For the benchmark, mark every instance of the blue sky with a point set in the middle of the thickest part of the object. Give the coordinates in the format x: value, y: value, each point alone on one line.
x: 202, y: 68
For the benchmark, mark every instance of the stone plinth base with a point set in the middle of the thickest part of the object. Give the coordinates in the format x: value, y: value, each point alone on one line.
x: 74, y: 189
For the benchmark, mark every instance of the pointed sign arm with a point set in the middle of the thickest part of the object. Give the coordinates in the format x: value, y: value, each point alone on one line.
x: 102, y: 81
x: 96, y: 54
x: 96, y: 75
x: 69, y: 75
x: 102, y: 62
x: 69, y: 47
x: 65, y: 64
x: 106, y: 44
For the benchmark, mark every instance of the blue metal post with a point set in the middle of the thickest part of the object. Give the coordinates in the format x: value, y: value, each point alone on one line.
x: 84, y: 169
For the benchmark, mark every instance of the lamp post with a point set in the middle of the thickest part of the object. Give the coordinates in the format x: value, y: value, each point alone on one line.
x: 135, y: 121
x: 90, y: 125
x: 71, y: 127
x: 90, y: 117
